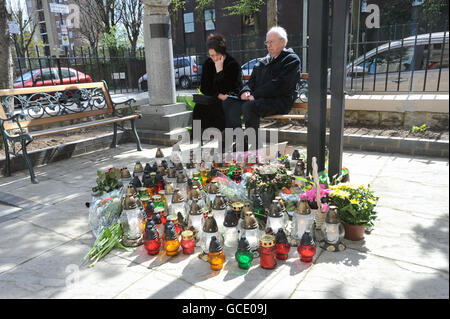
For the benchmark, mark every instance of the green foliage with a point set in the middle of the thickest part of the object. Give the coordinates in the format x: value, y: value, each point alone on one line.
x: 356, y: 204
x: 190, y: 104
x: 419, y: 129
x: 245, y: 7
x: 396, y: 12
x: 107, y: 182
x: 434, y: 11
x: 106, y: 241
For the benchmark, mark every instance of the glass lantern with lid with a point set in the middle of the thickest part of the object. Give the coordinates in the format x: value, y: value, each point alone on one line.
x: 230, y: 232
x: 250, y: 230
x: 307, y: 247
x: 302, y: 220
x: 152, y: 242
x: 333, y: 231
x: 244, y: 254
x: 178, y: 204
x: 276, y: 218
x: 216, y: 256
x: 195, y: 221
x: 219, y: 207
x: 210, y: 230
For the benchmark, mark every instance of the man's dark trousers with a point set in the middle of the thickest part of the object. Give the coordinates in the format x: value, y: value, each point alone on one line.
x: 252, y: 112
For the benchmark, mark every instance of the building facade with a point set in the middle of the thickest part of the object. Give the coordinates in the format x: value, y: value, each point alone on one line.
x: 52, y: 27
x: 190, y: 27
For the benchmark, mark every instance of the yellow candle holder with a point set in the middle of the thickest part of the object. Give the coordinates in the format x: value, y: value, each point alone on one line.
x: 216, y: 260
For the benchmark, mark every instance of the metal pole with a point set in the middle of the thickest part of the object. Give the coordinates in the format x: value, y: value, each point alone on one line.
x: 305, y: 37
x: 338, y: 71
x: 317, y: 82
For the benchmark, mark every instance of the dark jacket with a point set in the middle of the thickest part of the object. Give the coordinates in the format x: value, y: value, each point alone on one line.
x: 228, y: 81
x: 274, y: 82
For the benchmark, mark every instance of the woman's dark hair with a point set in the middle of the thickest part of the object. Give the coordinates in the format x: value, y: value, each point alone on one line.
x: 217, y: 42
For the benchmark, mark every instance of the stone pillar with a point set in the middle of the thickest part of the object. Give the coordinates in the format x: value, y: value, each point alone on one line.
x: 162, y: 116
x: 158, y: 52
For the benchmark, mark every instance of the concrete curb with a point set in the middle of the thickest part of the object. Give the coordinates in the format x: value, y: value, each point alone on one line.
x: 408, y: 146
x: 383, y: 144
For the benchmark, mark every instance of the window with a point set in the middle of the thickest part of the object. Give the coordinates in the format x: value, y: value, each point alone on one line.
x: 66, y: 73
x: 398, y: 59
x: 210, y: 19
x: 189, y: 22
x: 47, y: 76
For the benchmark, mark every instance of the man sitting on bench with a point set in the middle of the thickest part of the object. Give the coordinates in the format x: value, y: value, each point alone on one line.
x: 271, y: 88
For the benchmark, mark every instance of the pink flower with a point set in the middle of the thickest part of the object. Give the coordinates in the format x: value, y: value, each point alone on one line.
x: 325, y: 208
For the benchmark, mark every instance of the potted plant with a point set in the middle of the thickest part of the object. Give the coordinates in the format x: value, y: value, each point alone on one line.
x: 311, y: 196
x: 356, y: 206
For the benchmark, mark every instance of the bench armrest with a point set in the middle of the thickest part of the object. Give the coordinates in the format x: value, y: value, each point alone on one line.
x: 127, y: 103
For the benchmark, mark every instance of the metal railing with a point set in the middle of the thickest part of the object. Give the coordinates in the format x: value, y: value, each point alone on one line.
x: 418, y: 63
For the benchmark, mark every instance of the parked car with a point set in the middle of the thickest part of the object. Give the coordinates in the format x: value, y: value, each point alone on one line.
x: 187, y: 71
x: 50, y: 76
x: 413, y: 64
x: 247, y: 67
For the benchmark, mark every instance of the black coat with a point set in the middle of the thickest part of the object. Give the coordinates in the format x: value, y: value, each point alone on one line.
x: 274, y: 82
x: 228, y: 81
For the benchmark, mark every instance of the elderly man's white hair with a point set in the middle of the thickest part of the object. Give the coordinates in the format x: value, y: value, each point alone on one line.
x: 281, y: 33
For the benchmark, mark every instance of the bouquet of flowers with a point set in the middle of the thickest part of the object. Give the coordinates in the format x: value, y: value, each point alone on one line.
x: 269, y: 178
x: 356, y: 204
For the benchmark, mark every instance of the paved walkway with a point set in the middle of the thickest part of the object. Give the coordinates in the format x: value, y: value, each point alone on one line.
x: 44, y: 239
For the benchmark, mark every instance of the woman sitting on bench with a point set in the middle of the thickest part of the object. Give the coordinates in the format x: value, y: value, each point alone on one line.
x: 221, y: 77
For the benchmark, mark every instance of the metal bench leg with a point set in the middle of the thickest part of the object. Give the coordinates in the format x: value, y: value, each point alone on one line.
x: 7, y: 170
x: 138, y: 141
x: 34, y: 180
x: 114, y: 141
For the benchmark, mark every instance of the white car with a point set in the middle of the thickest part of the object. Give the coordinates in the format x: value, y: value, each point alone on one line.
x: 247, y: 68
x: 187, y: 72
x: 402, y: 65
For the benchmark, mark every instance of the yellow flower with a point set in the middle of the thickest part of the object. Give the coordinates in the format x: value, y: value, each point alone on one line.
x: 359, y: 195
x: 371, y: 201
x: 365, y: 206
x: 354, y: 201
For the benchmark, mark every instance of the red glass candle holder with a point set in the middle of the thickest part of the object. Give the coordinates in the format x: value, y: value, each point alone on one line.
x: 268, y: 252
x: 152, y: 246
x: 306, y: 252
x: 283, y: 251
x: 188, y: 242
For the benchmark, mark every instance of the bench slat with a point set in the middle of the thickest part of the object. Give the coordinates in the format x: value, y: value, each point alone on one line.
x: 53, y: 88
x: 70, y: 128
x: 56, y: 119
x: 286, y: 117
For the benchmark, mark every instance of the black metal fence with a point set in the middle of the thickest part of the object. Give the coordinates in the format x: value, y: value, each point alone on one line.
x: 417, y: 63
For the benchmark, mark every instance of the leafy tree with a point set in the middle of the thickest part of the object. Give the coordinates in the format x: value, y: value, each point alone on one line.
x: 247, y: 8
x: 434, y: 12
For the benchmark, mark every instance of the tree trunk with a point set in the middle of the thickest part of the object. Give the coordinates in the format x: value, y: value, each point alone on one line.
x: 6, y: 63
x: 272, y: 18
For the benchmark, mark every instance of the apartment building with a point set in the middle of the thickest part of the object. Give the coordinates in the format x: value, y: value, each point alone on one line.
x: 52, y: 27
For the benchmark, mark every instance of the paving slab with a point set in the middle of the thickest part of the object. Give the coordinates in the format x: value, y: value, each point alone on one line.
x: 44, y: 238
x: 356, y: 275
x: 22, y: 241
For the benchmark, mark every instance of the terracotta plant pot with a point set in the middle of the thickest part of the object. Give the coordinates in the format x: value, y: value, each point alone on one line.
x: 354, y: 232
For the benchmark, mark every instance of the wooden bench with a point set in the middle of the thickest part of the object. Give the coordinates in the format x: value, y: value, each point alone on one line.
x: 25, y: 109
x: 297, y: 105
